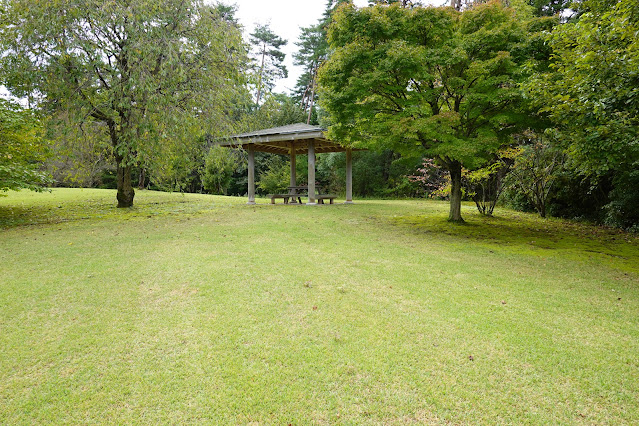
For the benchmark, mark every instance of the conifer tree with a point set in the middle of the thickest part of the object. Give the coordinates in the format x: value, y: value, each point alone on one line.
x: 270, y: 59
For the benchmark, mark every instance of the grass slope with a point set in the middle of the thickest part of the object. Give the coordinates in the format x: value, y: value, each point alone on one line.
x: 193, y: 308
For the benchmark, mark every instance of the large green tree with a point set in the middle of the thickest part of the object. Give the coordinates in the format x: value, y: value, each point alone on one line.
x: 128, y: 65
x: 591, y: 95
x: 591, y: 92
x: 425, y: 81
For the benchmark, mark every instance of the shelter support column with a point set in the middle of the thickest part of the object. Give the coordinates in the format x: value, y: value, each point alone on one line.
x: 251, y: 175
x: 349, y: 176
x: 311, y: 173
x: 293, y: 169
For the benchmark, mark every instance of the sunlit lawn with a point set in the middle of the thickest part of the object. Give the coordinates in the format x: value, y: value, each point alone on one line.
x: 195, y: 308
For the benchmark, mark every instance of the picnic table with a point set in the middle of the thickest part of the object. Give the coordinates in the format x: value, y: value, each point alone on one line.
x: 295, y: 194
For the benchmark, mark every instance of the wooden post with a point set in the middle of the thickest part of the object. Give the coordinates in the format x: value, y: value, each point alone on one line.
x: 349, y: 176
x: 311, y: 173
x: 293, y: 181
x: 293, y: 163
x: 251, y: 175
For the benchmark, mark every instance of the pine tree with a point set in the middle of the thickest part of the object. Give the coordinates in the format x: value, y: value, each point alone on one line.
x: 270, y: 59
x: 313, y: 51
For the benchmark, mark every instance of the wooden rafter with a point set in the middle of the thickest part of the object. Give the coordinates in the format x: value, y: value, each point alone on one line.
x: 278, y: 140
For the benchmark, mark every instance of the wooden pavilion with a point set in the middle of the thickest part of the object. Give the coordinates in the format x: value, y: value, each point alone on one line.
x: 291, y: 140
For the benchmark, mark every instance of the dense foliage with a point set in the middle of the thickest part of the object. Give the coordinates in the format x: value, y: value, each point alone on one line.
x: 425, y: 81
x: 591, y: 95
x: 533, y: 99
x: 21, y: 149
x: 153, y: 74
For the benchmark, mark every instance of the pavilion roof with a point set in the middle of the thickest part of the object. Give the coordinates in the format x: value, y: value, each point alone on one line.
x: 278, y: 140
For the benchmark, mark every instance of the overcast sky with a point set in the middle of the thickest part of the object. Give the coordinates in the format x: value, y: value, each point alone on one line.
x: 286, y: 17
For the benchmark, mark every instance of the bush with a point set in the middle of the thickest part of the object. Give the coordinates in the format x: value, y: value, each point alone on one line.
x: 276, y: 179
x: 219, y: 165
x: 623, y: 209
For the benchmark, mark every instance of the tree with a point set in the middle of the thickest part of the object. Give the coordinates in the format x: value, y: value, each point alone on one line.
x: 591, y: 93
x: 429, y: 82
x: 127, y: 65
x: 312, y: 52
x: 80, y: 155
x: 218, y: 169
x: 431, y: 178
x: 276, y: 178
x: 22, y: 149
x: 549, y: 7
x: 486, y: 185
x: 270, y: 59
x: 536, y: 170
x: 402, y: 3
x: 277, y: 110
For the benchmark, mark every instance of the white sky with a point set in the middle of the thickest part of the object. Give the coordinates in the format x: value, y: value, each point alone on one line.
x: 286, y: 17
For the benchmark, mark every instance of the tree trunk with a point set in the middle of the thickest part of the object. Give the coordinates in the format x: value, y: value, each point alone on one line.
x: 141, y: 178
x: 542, y: 208
x: 125, y: 188
x: 455, y: 171
x: 259, y: 83
x: 312, y: 100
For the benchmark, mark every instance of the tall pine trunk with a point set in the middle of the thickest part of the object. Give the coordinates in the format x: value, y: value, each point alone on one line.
x: 455, y: 171
x: 259, y: 82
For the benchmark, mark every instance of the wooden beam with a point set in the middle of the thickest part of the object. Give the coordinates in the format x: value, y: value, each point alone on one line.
x: 311, y: 173
x: 293, y: 169
x: 265, y: 148
x: 282, y: 147
x: 349, y: 177
x: 277, y: 138
x: 251, y: 176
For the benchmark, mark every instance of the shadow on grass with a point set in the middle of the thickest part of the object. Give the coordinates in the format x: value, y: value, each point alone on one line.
x: 529, y: 234
x: 48, y: 212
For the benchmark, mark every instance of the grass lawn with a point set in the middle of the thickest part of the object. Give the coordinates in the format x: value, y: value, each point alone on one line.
x: 195, y: 308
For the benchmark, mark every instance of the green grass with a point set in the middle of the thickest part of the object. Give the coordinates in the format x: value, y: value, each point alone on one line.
x: 195, y: 308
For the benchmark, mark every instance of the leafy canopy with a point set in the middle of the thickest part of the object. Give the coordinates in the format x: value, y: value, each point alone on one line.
x: 145, y: 70
x: 591, y: 91
x: 424, y: 80
x: 21, y: 149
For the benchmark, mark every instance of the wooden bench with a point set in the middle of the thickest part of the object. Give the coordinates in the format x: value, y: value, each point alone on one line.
x: 320, y: 198
x: 286, y: 197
